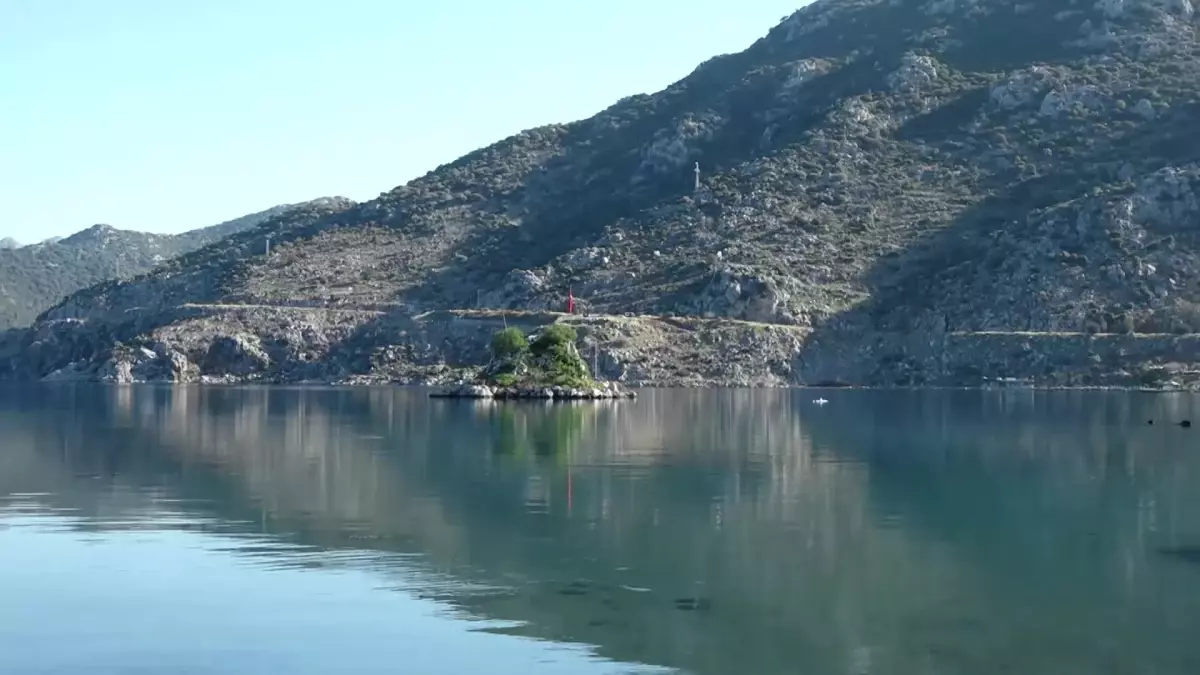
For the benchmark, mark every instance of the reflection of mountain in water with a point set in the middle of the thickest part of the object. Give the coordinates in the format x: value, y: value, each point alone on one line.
x: 999, y: 461
x: 882, y: 532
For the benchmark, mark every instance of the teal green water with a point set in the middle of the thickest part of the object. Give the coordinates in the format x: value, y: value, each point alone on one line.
x: 214, y: 530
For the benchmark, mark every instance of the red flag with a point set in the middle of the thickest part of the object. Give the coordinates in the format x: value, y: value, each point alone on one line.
x: 570, y: 302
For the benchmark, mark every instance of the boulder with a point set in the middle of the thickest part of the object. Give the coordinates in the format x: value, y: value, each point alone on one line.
x: 916, y: 72
x: 744, y: 294
x: 235, y: 355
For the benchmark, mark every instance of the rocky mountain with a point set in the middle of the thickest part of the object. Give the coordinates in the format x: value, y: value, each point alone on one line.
x: 33, y: 278
x: 875, y: 192
x: 9, y: 243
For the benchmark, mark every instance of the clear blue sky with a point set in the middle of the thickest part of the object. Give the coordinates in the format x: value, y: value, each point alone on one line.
x: 164, y: 115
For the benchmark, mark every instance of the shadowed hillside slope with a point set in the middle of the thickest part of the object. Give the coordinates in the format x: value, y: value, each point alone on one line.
x: 35, y: 277
x: 882, y: 174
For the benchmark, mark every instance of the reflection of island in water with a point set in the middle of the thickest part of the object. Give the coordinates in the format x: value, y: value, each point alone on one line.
x: 715, y: 531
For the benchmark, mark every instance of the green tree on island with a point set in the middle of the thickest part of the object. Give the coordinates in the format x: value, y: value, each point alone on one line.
x: 551, y: 359
x: 509, y: 343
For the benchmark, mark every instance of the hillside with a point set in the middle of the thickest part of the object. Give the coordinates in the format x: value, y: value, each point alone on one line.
x: 882, y: 178
x: 33, y: 278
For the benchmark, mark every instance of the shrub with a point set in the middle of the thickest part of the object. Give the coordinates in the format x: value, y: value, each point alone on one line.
x: 505, y: 380
x: 564, y: 366
x: 509, y: 343
x: 554, y: 335
x: 1154, y: 377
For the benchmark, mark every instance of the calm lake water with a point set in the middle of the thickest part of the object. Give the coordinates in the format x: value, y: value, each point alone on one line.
x: 212, y: 530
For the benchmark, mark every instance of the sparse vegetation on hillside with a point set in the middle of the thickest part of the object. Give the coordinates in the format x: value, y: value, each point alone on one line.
x: 33, y: 278
x: 897, y: 165
x: 877, y: 174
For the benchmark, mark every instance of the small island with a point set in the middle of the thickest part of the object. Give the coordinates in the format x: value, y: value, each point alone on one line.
x: 547, y: 367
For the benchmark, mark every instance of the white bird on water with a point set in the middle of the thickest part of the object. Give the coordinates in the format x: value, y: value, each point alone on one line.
x: 820, y: 401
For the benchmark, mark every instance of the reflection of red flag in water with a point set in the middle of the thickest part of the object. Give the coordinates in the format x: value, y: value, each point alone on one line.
x: 570, y: 302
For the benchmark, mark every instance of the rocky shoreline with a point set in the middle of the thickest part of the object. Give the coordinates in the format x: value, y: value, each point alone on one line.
x: 308, y: 346
x: 602, y: 391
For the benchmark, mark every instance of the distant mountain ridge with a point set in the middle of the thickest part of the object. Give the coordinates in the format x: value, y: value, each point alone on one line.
x: 36, y: 276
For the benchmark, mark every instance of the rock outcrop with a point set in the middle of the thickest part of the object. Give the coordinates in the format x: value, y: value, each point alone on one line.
x: 601, y: 392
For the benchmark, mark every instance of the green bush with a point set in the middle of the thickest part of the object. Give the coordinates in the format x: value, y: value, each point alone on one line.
x: 565, y: 368
x: 1154, y: 377
x: 555, y: 360
x: 505, y: 379
x: 556, y: 334
x: 509, y: 343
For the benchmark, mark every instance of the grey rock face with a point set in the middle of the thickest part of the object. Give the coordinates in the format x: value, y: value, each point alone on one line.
x: 236, y: 355
x: 1022, y: 88
x: 915, y: 73
x: 1081, y: 98
x: 1145, y: 109
x: 742, y: 294
x: 521, y: 289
